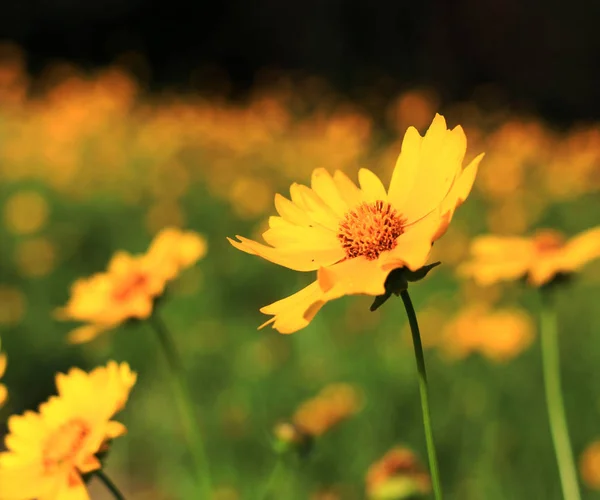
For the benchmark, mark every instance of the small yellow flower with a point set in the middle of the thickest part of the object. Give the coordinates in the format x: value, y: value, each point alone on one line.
x: 3, y: 390
x: 539, y: 258
x: 49, y: 450
x: 353, y: 237
x: 130, y: 285
x: 589, y: 465
x: 396, y: 476
x: 499, y: 335
x: 334, y: 404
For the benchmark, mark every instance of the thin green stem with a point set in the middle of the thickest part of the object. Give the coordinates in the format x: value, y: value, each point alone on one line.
x: 554, y: 399
x: 110, y: 486
x: 272, y: 479
x: 416, y: 336
x: 183, y: 399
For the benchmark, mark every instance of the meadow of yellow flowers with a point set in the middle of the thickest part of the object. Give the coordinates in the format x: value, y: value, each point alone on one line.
x: 128, y: 321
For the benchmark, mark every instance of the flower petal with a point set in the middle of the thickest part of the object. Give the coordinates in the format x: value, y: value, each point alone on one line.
x: 291, y: 212
x: 348, y: 190
x: 406, y: 169
x: 582, y: 249
x: 351, y: 277
x: 371, y: 186
x: 296, y: 258
x: 296, y: 311
x: 85, y: 333
x: 323, y: 184
x: 314, y: 206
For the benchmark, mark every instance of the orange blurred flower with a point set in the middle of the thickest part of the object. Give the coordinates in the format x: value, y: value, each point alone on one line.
x: 353, y: 237
x: 397, y: 476
x: 589, y: 465
x: 130, y: 285
x: 3, y: 390
x: 50, y: 450
x: 499, y: 335
x: 540, y: 258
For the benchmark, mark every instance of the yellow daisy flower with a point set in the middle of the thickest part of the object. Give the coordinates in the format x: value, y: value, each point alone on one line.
x: 539, y: 258
x: 49, y: 450
x: 353, y: 237
x: 130, y: 285
x: 3, y: 390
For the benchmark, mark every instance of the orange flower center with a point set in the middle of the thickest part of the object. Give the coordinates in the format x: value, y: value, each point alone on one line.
x: 63, y: 445
x: 547, y: 241
x: 129, y: 286
x: 370, y: 229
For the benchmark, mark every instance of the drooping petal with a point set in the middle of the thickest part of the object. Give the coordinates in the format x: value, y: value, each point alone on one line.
x: 296, y: 311
x: 462, y: 186
x: 323, y: 184
x: 582, y: 249
x: 85, y: 333
x: 352, y: 277
x: 371, y: 186
x: 296, y: 258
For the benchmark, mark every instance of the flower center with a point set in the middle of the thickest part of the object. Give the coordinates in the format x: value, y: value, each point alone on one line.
x: 548, y: 241
x: 370, y: 229
x: 126, y: 288
x: 64, y: 444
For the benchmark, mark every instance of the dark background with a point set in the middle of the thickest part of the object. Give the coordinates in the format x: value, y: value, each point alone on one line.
x: 544, y: 56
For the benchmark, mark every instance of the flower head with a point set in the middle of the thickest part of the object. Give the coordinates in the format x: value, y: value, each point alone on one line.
x: 128, y: 288
x: 396, y: 476
x: 50, y: 450
x: 498, y: 335
x: 539, y: 258
x: 353, y: 237
x: 589, y: 465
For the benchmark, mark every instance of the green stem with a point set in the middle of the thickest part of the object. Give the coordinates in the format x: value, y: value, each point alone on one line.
x: 554, y: 399
x: 272, y: 480
x: 110, y: 486
x: 183, y: 399
x: 416, y: 336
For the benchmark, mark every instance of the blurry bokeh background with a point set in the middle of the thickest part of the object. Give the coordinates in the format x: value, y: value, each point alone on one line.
x: 121, y: 117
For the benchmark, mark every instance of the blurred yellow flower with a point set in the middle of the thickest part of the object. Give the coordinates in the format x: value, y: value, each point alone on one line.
x: 50, y: 450
x: 397, y: 476
x: 3, y: 390
x: 25, y: 212
x: 539, y: 258
x: 353, y: 237
x: 499, y: 335
x: 334, y: 404
x: 589, y: 465
x: 130, y: 285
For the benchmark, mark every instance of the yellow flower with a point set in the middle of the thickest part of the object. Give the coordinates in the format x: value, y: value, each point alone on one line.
x: 130, y: 285
x: 3, y: 391
x: 49, y: 450
x: 397, y: 475
x: 589, y: 465
x: 539, y: 258
x: 334, y: 404
x: 499, y: 335
x: 353, y: 237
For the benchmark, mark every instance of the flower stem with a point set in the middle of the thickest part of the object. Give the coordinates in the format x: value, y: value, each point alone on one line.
x: 416, y: 336
x: 272, y: 479
x: 110, y: 486
x: 183, y: 399
x: 554, y: 399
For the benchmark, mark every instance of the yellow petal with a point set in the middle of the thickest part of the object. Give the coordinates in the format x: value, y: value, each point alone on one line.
x: 296, y: 311
x: 283, y: 233
x: 414, y: 245
x: 296, y: 258
x: 348, y: 190
x: 85, y: 333
x: 462, y: 186
x: 3, y: 394
x: 115, y: 429
x: 406, y: 169
x: 291, y: 212
x: 323, y: 184
x: 314, y: 206
x: 352, y: 277
x: 582, y: 249
x: 72, y: 488
x: 3, y: 362
x: 440, y: 161
x: 371, y: 186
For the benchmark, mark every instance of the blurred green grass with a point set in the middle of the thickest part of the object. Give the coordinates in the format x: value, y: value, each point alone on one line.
x: 489, y: 418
